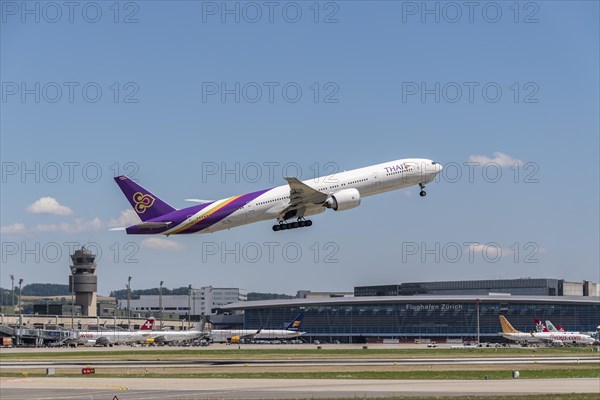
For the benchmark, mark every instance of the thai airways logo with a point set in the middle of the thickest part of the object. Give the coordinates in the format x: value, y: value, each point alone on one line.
x: 404, y: 167
x: 142, y: 202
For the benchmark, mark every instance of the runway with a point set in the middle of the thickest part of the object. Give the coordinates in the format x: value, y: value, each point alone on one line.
x: 146, y: 389
x: 304, y: 362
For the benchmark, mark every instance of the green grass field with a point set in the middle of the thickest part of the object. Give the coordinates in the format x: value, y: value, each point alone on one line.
x: 234, y: 353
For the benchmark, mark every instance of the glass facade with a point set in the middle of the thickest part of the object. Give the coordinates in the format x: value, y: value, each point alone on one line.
x: 408, y: 318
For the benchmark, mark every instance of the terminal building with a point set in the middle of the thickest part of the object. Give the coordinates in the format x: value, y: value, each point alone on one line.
x: 203, y: 301
x: 469, y: 312
x: 539, y: 287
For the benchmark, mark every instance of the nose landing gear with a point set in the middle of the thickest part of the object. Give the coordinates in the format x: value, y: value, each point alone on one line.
x: 422, y: 193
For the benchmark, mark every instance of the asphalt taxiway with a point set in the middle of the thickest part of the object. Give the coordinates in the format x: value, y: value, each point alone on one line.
x: 95, y: 388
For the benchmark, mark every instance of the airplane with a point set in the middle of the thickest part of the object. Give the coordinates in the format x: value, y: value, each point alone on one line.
x: 557, y: 339
x: 550, y: 327
x: 115, y: 336
x: 296, y: 200
x: 166, y: 336
x: 291, y: 331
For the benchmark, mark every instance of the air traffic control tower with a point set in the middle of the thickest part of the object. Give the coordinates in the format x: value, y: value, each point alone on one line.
x: 83, y: 281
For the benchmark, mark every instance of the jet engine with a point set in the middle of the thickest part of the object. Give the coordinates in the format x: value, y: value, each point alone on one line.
x: 343, y: 200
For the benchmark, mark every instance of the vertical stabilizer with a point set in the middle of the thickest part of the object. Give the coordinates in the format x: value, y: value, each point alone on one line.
x: 146, y: 205
x: 296, y: 322
x: 506, y: 326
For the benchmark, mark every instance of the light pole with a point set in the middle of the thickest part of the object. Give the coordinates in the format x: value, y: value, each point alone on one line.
x: 12, y: 279
x: 189, y: 306
x: 129, y: 302
x: 477, y: 302
x: 20, y: 294
x: 160, y: 304
x: 193, y: 302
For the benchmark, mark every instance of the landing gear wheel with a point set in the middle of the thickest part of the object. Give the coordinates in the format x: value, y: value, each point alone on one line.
x: 282, y: 226
x: 423, y: 193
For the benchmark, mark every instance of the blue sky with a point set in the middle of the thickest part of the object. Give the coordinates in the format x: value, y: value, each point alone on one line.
x: 378, y: 81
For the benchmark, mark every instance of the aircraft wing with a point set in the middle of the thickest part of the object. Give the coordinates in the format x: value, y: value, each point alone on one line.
x: 250, y: 335
x: 302, y: 196
x: 159, y: 338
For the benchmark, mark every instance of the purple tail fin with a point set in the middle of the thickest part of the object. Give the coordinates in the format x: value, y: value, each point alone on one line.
x: 146, y: 205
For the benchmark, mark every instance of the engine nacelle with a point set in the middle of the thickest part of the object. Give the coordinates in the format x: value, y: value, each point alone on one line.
x: 344, y: 200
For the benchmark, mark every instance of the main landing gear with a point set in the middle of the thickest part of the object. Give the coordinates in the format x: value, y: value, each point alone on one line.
x: 422, y: 193
x: 301, y: 223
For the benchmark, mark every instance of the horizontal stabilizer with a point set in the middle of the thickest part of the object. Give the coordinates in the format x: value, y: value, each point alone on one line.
x: 200, y: 201
x: 153, y: 225
x: 117, y: 229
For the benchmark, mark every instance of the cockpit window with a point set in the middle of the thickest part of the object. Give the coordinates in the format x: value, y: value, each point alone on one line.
x: 433, y: 162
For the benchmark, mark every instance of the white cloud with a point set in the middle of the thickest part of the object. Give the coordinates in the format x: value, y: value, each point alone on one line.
x: 487, y: 250
x: 127, y: 217
x: 80, y: 225
x: 161, y: 244
x: 14, y: 228
x: 503, y: 160
x: 48, y: 205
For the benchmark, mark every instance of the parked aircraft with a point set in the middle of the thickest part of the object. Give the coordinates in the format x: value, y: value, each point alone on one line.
x: 115, y: 336
x: 294, y: 201
x: 165, y: 336
x: 291, y: 331
x: 543, y: 337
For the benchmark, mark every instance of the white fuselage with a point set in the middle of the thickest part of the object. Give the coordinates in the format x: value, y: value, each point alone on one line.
x: 173, y: 336
x: 368, y: 181
x: 109, y: 336
x: 537, y: 337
